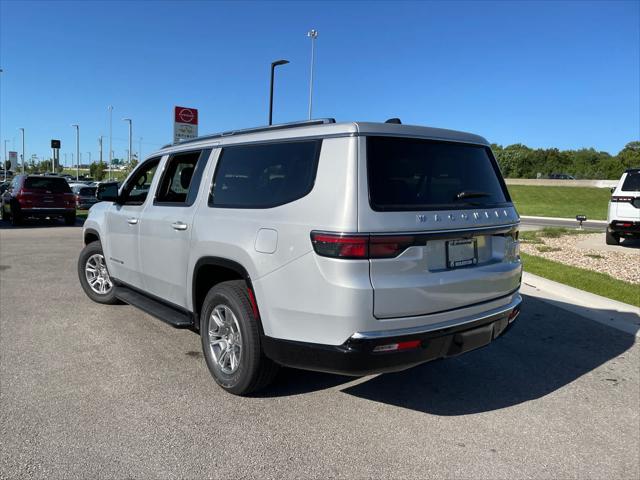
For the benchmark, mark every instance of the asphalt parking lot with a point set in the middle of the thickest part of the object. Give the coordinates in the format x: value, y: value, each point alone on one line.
x: 90, y: 391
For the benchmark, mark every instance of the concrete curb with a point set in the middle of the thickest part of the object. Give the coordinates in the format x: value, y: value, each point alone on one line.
x: 618, y: 315
x: 529, y: 217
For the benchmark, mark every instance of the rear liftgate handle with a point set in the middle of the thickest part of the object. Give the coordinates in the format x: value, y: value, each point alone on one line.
x: 179, y: 226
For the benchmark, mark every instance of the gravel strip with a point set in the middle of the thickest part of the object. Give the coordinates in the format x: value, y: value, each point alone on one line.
x: 621, y: 265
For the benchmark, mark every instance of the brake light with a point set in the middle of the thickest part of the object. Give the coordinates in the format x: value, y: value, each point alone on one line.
x: 389, y: 247
x: 360, y: 246
x: 622, y: 199
x: 23, y: 197
x: 340, y: 246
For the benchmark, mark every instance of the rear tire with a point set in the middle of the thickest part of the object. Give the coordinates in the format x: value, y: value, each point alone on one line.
x: 612, y: 239
x: 70, y: 219
x: 92, y: 259
x: 231, y: 340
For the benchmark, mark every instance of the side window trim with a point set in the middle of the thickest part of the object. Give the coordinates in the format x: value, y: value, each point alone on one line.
x: 194, y: 186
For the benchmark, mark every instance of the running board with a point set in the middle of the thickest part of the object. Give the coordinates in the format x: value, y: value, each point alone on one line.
x: 160, y: 310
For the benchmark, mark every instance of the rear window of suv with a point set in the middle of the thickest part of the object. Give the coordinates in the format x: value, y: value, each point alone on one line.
x: 416, y: 174
x: 264, y: 176
x: 54, y: 185
x: 632, y: 182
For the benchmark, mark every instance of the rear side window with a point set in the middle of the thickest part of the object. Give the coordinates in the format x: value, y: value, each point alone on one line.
x: 181, y: 178
x: 87, y: 192
x: 632, y: 182
x: 264, y: 176
x: 416, y: 174
x: 54, y: 185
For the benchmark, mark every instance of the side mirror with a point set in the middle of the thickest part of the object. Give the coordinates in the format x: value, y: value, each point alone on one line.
x: 613, y: 189
x: 107, y: 192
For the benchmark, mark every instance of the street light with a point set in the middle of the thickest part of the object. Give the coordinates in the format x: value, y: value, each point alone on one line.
x: 312, y: 34
x: 77, y: 127
x: 110, y: 108
x: 130, y: 132
x: 5, y: 160
x: 273, y: 67
x: 22, y: 131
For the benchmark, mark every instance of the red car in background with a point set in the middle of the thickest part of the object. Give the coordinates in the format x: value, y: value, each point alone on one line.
x: 35, y: 196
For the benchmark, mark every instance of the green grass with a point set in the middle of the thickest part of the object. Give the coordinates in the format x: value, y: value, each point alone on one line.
x: 588, y: 280
x: 545, y: 248
x: 563, y: 202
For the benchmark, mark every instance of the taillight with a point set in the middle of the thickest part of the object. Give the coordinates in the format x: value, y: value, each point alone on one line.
x: 340, y: 246
x: 389, y: 247
x: 622, y: 199
x: 360, y: 246
x: 23, y: 197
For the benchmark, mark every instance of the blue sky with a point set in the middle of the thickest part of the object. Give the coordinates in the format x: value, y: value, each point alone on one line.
x: 547, y: 74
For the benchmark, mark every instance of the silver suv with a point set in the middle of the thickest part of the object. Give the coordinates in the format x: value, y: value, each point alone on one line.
x: 353, y: 248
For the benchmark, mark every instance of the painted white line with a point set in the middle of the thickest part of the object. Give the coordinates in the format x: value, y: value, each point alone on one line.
x: 618, y: 315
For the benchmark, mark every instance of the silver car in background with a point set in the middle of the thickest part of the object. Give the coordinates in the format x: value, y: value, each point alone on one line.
x: 353, y: 248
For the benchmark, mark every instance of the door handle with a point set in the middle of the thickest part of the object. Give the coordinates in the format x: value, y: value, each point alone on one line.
x: 132, y: 221
x: 179, y: 226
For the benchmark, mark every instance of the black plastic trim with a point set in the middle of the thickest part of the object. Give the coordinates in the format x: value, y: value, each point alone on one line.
x: 356, y: 357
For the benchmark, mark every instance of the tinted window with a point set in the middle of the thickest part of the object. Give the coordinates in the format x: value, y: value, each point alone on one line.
x: 414, y: 174
x: 264, y: 176
x: 632, y: 182
x: 87, y: 192
x: 55, y: 185
x: 177, y: 178
x: 137, y: 187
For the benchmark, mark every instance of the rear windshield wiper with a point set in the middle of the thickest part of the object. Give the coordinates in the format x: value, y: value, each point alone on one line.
x: 471, y: 194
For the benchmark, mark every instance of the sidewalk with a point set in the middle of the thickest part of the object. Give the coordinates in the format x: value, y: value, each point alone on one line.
x: 600, y: 309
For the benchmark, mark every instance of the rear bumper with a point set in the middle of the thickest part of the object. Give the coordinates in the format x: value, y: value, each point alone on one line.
x: 46, y: 212
x: 625, y: 227
x: 358, y: 355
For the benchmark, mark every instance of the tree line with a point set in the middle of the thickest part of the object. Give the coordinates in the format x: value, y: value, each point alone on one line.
x: 520, y: 161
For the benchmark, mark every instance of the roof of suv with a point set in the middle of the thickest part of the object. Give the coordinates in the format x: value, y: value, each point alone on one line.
x: 324, y: 128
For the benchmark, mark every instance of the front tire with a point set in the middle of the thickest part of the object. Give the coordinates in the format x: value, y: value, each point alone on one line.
x: 612, y: 239
x: 231, y: 340
x: 94, y: 276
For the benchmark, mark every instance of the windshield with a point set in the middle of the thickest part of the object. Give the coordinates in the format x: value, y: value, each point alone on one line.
x: 416, y: 174
x: 54, y: 185
x: 632, y: 182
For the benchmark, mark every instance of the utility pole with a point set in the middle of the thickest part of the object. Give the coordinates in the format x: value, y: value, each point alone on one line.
x: 23, y: 159
x: 100, y: 146
x: 5, y: 160
x: 77, y: 127
x: 312, y: 34
x: 110, y: 138
x: 130, y: 133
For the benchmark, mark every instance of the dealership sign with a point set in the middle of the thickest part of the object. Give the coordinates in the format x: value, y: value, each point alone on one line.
x: 185, y: 124
x: 13, y: 158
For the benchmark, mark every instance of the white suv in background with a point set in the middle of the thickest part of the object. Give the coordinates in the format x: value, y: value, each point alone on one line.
x: 623, y: 217
x: 353, y: 248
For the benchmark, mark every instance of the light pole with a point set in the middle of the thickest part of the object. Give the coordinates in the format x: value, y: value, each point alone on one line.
x: 130, y: 133
x: 100, y: 146
x: 312, y: 34
x: 23, y: 159
x: 5, y: 160
x: 77, y: 127
x: 89, y: 157
x: 273, y: 67
x: 110, y: 138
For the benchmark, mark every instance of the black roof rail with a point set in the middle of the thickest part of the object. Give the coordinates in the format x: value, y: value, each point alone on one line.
x: 265, y: 128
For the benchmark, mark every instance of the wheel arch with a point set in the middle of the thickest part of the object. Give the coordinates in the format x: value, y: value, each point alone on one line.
x: 90, y: 235
x: 209, y: 271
